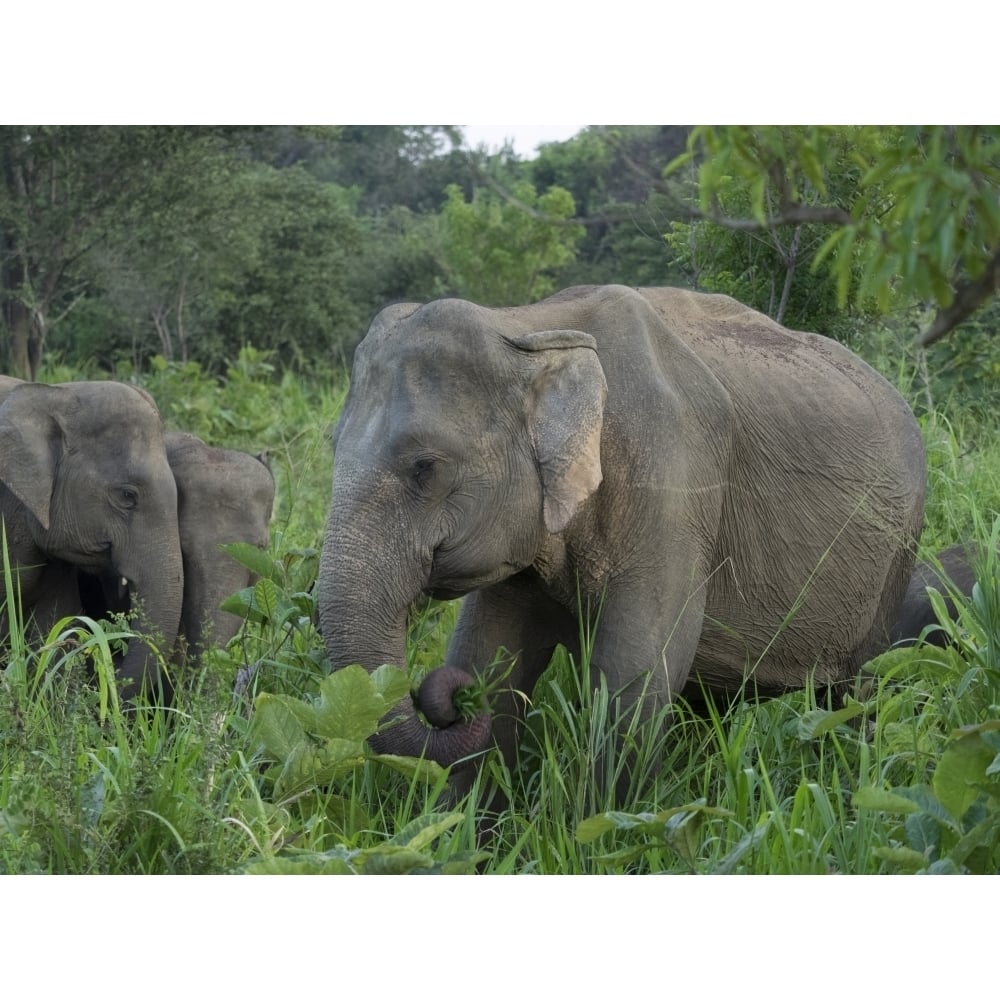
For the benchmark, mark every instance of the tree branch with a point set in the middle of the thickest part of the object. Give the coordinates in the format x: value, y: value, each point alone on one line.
x: 790, y: 214
x: 969, y: 296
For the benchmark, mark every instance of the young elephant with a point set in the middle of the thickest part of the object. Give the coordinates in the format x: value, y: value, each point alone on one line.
x: 222, y: 496
x: 730, y: 500
x: 950, y: 573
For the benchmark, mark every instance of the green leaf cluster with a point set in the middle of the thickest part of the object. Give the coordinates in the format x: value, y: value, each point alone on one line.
x: 953, y: 824
x: 407, y: 852
x: 311, y: 743
x: 503, y: 251
x: 680, y: 828
x: 911, y: 214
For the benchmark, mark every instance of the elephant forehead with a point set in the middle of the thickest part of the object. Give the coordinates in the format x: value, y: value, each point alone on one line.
x: 455, y: 380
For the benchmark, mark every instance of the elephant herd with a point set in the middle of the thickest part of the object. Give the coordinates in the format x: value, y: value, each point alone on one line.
x: 696, y: 494
x: 104, y: 511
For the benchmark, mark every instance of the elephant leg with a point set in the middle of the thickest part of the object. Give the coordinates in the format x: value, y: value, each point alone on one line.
x: 515, y: 616
x: 658, y: 634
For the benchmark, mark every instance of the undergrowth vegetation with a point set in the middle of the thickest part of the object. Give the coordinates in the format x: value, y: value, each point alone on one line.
x: 261, y: 762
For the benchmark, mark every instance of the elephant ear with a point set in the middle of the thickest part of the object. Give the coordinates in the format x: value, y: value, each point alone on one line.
x: 31, y: 440
x: 565, y: 415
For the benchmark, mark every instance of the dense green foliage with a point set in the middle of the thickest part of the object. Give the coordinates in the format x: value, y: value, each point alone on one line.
x: 231, y: 271
x: 118, y: 244
x: 261, y: 765
x: 912, y: 213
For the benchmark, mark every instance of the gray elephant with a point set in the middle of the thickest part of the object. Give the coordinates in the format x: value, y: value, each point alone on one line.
x: 730, y: 501
x: 951, y: 573
x: 223, y: 496
x: 85, y: 485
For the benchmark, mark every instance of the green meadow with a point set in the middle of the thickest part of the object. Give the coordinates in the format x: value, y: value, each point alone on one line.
x: 260, y: 764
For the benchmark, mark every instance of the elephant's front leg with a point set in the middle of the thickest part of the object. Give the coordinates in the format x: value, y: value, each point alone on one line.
x: 644, y: 645
x: 517, y: 618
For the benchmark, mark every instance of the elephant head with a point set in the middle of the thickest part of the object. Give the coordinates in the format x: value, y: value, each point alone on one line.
x: 222, y: 496
x: 457, y: 453
x: 952, y: 573
x: 84, y: 480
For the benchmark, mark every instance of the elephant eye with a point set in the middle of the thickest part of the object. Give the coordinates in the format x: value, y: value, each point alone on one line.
x: 423, y: 469
x: 128, y: 496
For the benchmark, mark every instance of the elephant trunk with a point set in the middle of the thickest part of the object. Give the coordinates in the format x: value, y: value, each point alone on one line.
x: 156, y: 589
x: 363, y: 605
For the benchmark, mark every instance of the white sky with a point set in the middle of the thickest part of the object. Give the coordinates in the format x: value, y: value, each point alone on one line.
x: 526, y: 137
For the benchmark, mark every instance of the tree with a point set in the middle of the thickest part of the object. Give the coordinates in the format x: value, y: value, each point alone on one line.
x: 57, y: 188
x: 913, y: 212
x: 505, y: 250
x: 614, y: 174
x: 71, y: 193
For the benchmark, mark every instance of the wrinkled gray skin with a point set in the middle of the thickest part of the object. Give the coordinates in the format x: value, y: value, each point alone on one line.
x: 738, y: 499
x: 950, y: 572
x: 85, y: 486
x: 223, y: 496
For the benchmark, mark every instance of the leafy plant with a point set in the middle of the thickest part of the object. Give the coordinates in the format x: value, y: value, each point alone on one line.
x: 952, y: 824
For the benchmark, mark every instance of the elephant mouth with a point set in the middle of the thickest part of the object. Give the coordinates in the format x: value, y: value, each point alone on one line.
x: 103, y: 596
x: 449, y: 589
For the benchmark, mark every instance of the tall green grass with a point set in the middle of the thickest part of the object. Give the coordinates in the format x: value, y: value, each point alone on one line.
x: 903, y: 777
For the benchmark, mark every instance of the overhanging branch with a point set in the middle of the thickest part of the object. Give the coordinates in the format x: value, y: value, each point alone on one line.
x: 969, y: 296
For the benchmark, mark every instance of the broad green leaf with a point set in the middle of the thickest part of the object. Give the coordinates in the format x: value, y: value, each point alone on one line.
x: 391, y: 683
x: 662, y: 825
x: 819, y: 721
x: 239, y: 604
x: 943, y: 866
x: 982, y: 840
x: 902, y: 662
x: 346, y: 814
x: 961, y: 768
x: 923, y: 833
x: 871, y: 797
x: 339, y: 860
x: 344, y: 752
x: 278, y: 724
x: 424, y: 830
x: 389, y: 859
x: 265, y: 600
x: 254, y: 559
x: 418, y: 768
x: 683, y: 833
x: 349, y: 707
x: 594, y: 826
x: 924, y: 798
x: 463, y: 863
x: 304, y: 768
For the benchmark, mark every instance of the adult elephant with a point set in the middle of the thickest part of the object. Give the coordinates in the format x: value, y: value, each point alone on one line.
x: 737, y: 500
x: 85, y: 486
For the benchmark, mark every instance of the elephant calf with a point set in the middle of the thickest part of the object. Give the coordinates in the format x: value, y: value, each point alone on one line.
x: 950, y: 573
x: 739, y: 502
x: 223, y: 496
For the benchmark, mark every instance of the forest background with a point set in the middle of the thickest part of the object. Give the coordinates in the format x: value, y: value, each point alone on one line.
x: 120, y: 245
x: 231, y: 271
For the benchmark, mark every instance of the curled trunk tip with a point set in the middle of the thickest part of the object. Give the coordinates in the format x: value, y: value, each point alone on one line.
x: 450, y: 738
